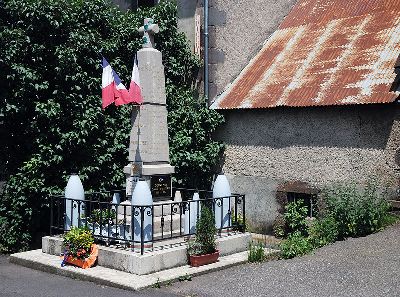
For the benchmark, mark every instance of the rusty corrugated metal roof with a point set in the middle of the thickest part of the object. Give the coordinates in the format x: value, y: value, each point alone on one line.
x: 325, y: 52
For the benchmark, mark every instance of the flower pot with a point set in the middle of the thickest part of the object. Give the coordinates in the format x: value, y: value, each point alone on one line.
x: 200, y: 260
x: 87, y: 262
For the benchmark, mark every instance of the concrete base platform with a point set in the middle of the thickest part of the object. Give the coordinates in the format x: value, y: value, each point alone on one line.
x: 38, y: 260
x: 150, y: 262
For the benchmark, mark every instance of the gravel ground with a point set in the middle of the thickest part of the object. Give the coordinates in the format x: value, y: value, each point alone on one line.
x: 18, y: 281
x: 368, y: 266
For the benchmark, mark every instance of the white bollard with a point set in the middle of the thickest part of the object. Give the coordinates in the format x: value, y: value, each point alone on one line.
x: 116, y: 198
x: 178, y: 196
x: 141, y: 196
x: 191, y: 216
x: 222, y: 189
x: 74, y: 209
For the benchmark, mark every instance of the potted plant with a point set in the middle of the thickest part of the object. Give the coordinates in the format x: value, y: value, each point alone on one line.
x: 203, y: 250
x: 79, y: 248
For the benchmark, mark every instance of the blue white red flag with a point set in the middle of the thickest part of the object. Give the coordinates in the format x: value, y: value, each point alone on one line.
x: 135, y: 87
x: 113, y: 90
x: 107, y: 85
x: 121, y: 94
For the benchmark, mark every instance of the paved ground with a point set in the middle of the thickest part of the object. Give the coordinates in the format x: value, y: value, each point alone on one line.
x: 364, y: 267
x: 18, y: 281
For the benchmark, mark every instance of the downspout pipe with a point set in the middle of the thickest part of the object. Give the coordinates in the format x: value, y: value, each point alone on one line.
x: 206, y: 86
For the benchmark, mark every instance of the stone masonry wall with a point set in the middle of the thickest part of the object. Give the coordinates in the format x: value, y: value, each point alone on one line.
x: 237, y: 31
x: 320, y: 145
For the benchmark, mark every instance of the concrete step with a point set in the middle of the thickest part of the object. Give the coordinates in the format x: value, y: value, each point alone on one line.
x: 102, y: 275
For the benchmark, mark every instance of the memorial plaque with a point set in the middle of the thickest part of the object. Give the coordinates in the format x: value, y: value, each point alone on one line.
x: 161, y: 186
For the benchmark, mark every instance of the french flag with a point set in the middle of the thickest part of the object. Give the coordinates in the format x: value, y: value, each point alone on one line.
x: 134, y: 87
x: 134, y: 95
x: 107, y: 85
x: 122, y: 95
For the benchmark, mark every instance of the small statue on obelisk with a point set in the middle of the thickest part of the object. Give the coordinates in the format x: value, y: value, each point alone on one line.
x: 149, y: 148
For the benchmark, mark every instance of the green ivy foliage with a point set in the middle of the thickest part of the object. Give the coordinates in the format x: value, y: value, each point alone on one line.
x: 51, y: 121
x: 192, y: 150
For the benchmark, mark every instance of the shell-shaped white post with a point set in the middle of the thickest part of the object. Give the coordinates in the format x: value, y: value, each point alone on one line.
x: 222, y: 190
x: 196, y: 209
x: 142, y: 212
x: 186, y: 225
x: 74, y: 209
x: 178, y: 196
x: 116, y: 198
x: 192, y: 213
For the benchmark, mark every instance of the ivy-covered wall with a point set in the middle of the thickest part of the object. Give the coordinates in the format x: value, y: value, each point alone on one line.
x: 51, y: 121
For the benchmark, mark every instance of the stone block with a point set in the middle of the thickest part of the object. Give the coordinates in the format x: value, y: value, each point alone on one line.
x: 232, y: 244
x: 216, y: 56
x: 52, y: 245
x: 169, y: 257
x: 149, y: 135
x: 212, y: 37
x: 152, y: 77
x: 216, y: 17
x: 162, y: 169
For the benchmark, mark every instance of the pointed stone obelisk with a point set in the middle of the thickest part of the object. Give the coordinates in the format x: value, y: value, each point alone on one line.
x: 149, y: 148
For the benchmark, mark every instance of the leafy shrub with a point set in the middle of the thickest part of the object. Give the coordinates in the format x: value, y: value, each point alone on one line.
x: 357, y: 212
x: 295, y: 217
x: 78, y: 242
x: 323, y: 231
x: 205, y: 234
x: 343, y: 211
x: 256, y: 252
x: 295, y: 245
x: 101, y: 217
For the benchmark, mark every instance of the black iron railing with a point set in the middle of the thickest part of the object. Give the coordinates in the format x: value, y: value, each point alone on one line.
x: 140, y: 226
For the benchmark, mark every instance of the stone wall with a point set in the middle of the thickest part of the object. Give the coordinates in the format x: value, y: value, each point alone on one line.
x: 186, y: 23
x: 237, y: 32
x: 319, y: 145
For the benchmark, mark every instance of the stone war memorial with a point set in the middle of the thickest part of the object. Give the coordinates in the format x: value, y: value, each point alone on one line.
x: 147, y: 226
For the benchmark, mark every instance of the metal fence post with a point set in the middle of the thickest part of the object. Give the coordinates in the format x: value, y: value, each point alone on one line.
x: 51, y: 214
x: 141, y: 230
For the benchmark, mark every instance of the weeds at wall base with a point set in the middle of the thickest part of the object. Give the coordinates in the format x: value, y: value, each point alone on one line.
x: 256, y: 252
x: 345, y: 212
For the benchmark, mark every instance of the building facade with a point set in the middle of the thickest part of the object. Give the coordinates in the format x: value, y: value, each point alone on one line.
x: 317, y: 105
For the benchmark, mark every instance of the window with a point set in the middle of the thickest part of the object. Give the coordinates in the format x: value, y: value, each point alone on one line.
x: 307, y: 200
x: 295, y: 191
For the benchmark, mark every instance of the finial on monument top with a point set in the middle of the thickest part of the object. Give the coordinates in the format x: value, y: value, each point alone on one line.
x: 148, y: 31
